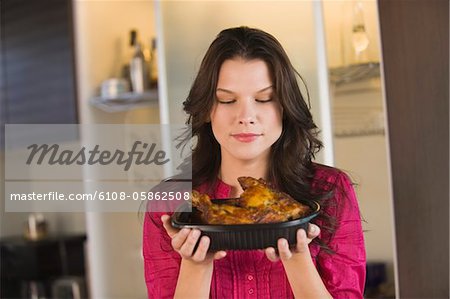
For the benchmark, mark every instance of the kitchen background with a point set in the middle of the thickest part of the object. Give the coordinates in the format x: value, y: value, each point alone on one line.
x: 333, y: 44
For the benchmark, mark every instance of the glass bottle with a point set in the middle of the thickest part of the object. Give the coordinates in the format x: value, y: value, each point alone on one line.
x: 154, y: 65
x: 138, y: 67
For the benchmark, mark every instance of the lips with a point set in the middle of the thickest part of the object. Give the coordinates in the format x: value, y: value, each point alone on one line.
x: 246, y: 137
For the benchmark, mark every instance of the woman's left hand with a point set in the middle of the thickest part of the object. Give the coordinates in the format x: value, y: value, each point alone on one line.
x: 303, y: 239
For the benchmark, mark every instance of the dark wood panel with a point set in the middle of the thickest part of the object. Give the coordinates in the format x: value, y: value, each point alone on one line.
x: 415, y: 39
x: 43, y: 261
x: 38, y: 77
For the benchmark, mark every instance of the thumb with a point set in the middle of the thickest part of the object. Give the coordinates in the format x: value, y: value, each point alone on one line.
x: 220, y: 255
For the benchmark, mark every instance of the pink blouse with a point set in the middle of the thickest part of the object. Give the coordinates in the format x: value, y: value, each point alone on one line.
x: 249, y: 274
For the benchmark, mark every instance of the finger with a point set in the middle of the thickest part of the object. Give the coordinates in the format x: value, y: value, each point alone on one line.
x: 187, y: 249
x: 302, y: 240
x: 168, y: 226
x: 271, y: 254
x: 202, y: 250
x: 220, y: 255
x: 179, y: 238
x: 313, y: 231
x: 283, y: 249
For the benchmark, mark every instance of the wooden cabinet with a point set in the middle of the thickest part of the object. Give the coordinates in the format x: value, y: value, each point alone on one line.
x: 38, y: 66
x: 415, y: 39
x: 41, y: 262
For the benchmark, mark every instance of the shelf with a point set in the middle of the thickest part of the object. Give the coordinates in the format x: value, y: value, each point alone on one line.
x: 354, y: 73
x: 126, y: 101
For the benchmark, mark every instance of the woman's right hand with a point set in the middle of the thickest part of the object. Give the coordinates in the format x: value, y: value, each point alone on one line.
x: 184, y: 240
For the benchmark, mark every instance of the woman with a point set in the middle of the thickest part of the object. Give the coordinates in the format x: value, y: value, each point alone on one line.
x: 250, y: 119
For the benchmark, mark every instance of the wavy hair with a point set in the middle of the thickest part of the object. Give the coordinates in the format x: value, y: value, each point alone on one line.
x: 291, y: 155
x: 291, y: 168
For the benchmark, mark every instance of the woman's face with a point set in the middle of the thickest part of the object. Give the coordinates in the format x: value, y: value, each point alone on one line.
x: 246, y: 117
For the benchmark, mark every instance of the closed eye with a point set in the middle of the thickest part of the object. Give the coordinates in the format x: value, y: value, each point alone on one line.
x: 226, y: 101
x: 263, y: 101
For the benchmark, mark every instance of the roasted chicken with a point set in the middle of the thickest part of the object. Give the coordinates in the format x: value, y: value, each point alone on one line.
x: 259, y: 203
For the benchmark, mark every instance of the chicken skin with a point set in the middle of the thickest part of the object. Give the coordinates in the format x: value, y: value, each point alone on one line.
x: 259, y: 203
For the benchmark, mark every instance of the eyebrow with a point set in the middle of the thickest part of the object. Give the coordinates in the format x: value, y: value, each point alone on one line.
x: 231, y: 92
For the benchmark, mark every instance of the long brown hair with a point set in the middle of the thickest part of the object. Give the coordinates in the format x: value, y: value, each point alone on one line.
x: 290, y: 160
x: 290, y: 167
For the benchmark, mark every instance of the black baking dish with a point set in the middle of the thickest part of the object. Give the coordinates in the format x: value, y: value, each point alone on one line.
x: 245, y: 236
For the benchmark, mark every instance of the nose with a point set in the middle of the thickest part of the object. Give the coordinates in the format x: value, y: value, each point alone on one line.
x: 246, y: 114
x: 246, y: 121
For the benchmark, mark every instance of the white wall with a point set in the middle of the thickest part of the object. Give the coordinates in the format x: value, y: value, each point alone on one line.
x: 338, y: 17
x: 102, y: 48
x: 370, y: 176
x: 363, y: 157
x: 357, y: 112
x: 102, y: 37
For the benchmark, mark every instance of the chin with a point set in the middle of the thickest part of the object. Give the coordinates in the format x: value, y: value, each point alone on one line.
x: 248, y: 155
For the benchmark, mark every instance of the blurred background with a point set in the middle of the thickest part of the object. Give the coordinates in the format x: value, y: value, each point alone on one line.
x: 117, y: 62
